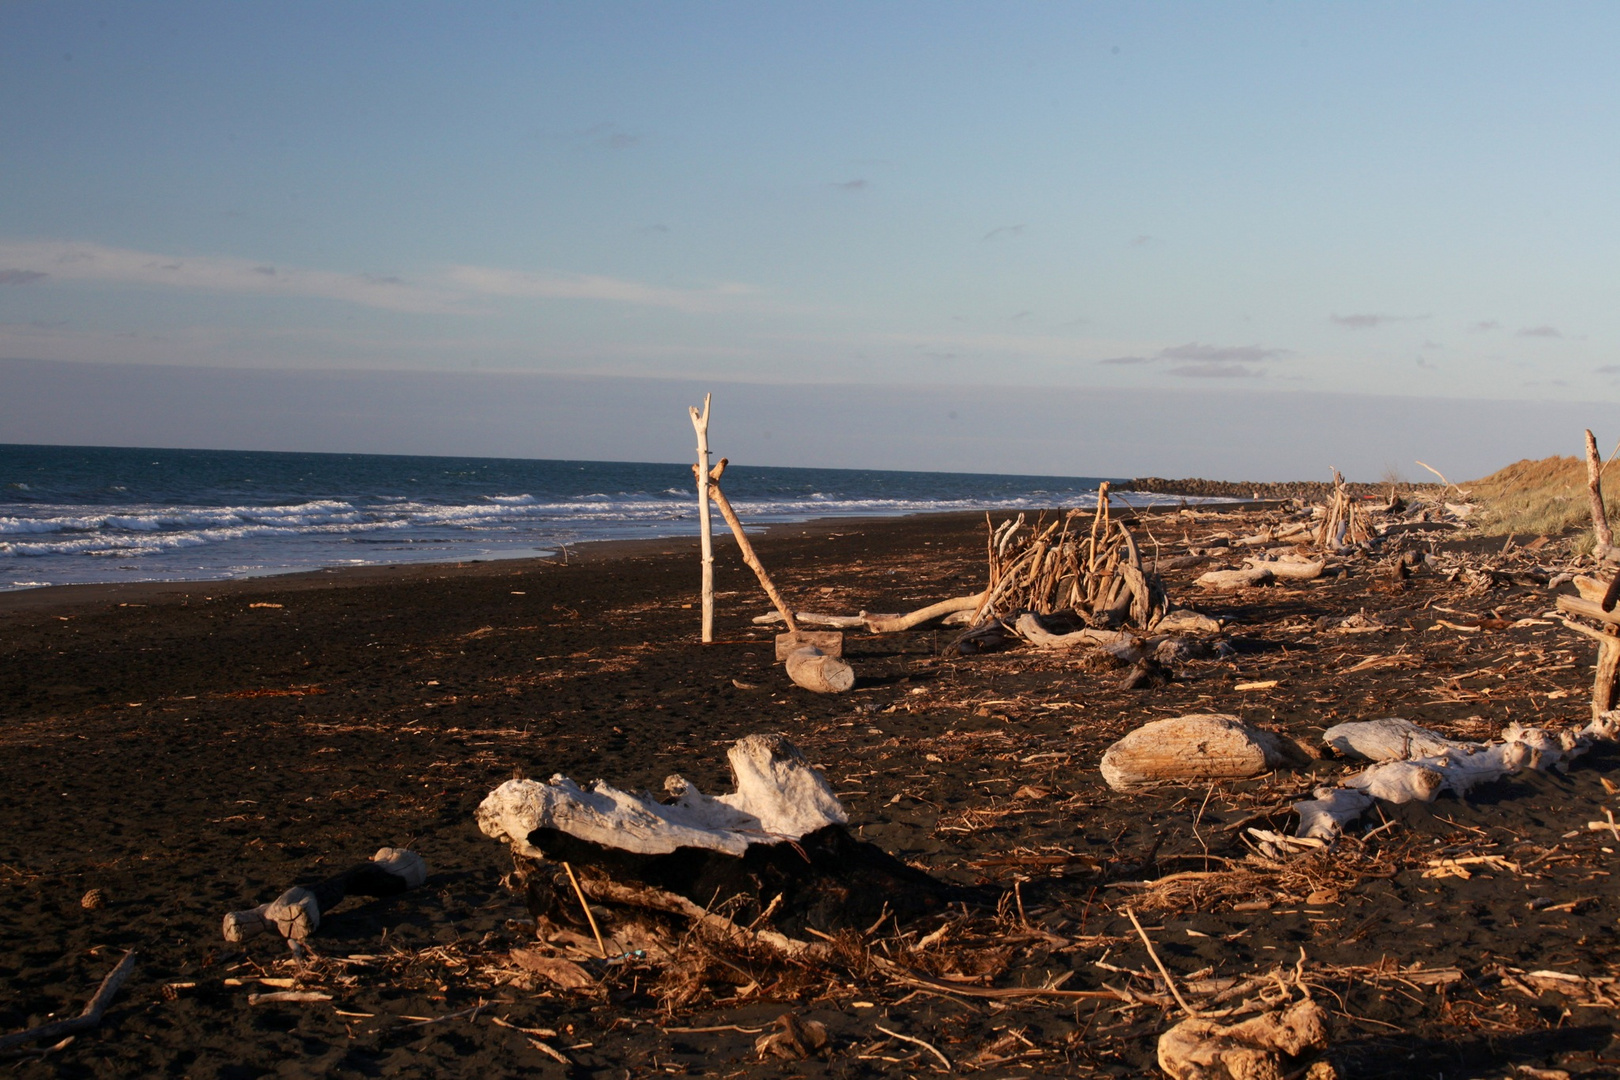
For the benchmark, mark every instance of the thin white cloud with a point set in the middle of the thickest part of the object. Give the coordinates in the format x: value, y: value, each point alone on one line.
x: 1215, y: 370
x: 457, y: 290
x: 1221, y: 354
x: 1200, y: 361
x: 491, y: 281
x: 81, y: 262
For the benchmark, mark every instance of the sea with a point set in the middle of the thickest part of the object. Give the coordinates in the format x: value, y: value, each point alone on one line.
x: 78, y: 514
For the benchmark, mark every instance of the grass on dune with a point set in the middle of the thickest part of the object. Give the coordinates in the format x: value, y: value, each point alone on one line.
x: 1545, y: 497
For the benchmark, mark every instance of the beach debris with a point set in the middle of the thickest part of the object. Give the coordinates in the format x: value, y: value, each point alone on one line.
x: 88, y: 1019
x: 1269, y: 1046
x: 793, y: 1040
x: 554, y: 969
x: 779, y: 797
x: 1200, y: 746
x: 1325, y: 816
x: 93, y: 900
x: 297, y: 913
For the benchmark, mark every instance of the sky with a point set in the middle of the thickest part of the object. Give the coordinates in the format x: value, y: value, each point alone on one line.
x: 1243, y: 202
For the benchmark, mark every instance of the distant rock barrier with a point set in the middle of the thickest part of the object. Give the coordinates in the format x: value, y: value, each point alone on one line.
x: 1308, y: 490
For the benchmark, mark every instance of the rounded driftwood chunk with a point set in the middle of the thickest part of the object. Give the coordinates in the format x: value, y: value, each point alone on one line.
x: 1203, y: 746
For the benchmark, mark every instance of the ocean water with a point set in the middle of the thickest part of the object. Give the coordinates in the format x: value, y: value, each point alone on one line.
x: 101, y: 514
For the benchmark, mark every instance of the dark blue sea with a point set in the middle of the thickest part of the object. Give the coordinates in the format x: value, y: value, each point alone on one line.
x: 97, y: 514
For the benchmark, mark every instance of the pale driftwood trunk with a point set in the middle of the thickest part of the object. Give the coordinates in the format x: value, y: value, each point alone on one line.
x: 1290, y: 571
x: 893, y: 624
x: 1594, y: 491
x: 700, y: 422
x: 815, y: 670
x: 811, y: 618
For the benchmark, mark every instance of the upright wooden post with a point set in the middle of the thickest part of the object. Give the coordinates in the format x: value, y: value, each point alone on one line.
x: 1594, y: 492
x: 700, y: 422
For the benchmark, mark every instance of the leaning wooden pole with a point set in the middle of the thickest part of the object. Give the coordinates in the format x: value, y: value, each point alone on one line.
x: 700, y: 422
x: 747, y: 549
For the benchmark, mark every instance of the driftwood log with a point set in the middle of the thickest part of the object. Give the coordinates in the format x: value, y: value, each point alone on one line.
x: 778, y: 797
x: 1199, y: 747
x: 1250, y: 578
x: 297, y: 913
x: 880, y: 624
x: 1418, y: 765
x: 818, y: 671
x: 775, y: 845
x: 1286, y: 569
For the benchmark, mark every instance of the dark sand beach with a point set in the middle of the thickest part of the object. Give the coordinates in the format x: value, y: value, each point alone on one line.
x: 193, y: 750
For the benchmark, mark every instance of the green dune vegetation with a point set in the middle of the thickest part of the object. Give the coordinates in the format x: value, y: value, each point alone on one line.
x: 1545, y: 497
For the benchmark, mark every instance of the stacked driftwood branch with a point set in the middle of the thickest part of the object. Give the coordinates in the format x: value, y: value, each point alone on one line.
x: 1062, y: 565
x: 1341, y: 525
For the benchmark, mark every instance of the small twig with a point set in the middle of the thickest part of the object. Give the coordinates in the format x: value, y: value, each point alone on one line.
x: 579, y: 892
x: 1168, y: 981
x: 89, y: 1018
x: 470, y: 1012
x: 918, y: 1042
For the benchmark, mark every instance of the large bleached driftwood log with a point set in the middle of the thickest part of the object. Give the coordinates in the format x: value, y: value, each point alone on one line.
x: 779, y: 797
x: 1289, y: 569
x: 774, y: 849
x: 296, y: 913
x: 1391, y: 739
x: 1199, y: 747
x: 1235, y: 579
x: 1418, y: 765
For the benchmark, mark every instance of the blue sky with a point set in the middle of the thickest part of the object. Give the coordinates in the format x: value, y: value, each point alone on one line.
x: 1255, y: 198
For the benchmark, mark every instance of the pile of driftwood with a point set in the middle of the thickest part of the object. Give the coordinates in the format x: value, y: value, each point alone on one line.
x: 1064, y: 565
